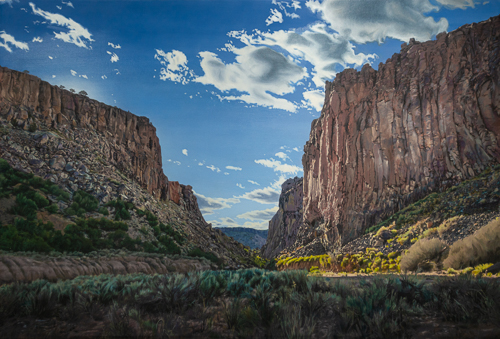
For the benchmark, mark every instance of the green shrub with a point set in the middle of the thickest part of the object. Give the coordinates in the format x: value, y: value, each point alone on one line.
x: 422, y: 251
x: 478, y: 248
x: 197, y: 252
x: 103, y: 211
x: 33, y: 127
x: 52, y: 208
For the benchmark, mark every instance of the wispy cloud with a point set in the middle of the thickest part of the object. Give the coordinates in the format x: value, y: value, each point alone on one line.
x: 229, y: 222
x: 265, y: 215
x: 73, y: 73
x: 209, y: 205
x: 283, y: 156
x: 277, y: 166
x: 240, y: 186
x: 114, y: 46
x: 213, y: 168
x: 175, y: 66
x: 275, y: 16
x: 77, y: 34
x: 233, y: 168
x: 69, y: 4
x: 185, y: 152
x: 114, y: 57
x: 8, y: 2
x: 37, y: 39
x: 104, y: 77
x: 267, y: 195
x: 10, y: 40
x: 254, y: 182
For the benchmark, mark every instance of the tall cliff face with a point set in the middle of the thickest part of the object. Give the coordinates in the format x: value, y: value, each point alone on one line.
x: 134, y: 147
x: 429, y: 117
x: 287, y: 221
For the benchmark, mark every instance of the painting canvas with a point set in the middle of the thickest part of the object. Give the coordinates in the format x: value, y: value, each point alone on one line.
x: 166, y: 136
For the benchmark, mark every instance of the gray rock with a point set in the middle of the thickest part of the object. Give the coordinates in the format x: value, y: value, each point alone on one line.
x: 36, y: 163
x: 58, y: 162
x: 494, y: 269
x: 43, y: 139
x: 69, y: 167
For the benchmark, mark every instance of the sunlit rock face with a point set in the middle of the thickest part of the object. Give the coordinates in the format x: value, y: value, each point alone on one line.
x: 132, y: 144
x: 286, y: 222
x: 428, y: 118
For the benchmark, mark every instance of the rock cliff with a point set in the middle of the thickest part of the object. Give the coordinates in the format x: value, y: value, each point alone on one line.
x: 286, y: 222
x: 82, y: 144
x: 428, y: 118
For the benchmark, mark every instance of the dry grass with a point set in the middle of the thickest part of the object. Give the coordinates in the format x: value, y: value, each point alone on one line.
x: 422, y: 251
x: 478, y: 248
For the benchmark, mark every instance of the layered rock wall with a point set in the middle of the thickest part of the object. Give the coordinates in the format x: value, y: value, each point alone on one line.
x: 428, y: 118
x: 287, y: 221
x: 135, y: 149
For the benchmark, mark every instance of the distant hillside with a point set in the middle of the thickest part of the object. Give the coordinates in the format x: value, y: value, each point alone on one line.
x: 247, y: 236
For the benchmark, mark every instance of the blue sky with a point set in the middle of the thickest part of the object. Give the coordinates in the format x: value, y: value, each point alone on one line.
x: 231, y: 86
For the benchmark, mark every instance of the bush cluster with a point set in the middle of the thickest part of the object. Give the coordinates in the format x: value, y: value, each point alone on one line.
x: 121, y: 209
x: 250, y: 303
x: 82, y: 202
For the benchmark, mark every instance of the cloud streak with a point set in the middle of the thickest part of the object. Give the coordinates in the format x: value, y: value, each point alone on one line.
x: 77, y: 34
x: 10, y: 40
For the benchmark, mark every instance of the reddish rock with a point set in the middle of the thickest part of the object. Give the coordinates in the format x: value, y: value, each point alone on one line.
x: 428, y: 118
x: 174, y: 191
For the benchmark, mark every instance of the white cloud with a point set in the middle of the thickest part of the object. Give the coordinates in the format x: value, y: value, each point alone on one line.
x: 213, y: 168
x: 318, y: 45
x: 114, y: 57
x: 225, y: 173
x: 296, y: 149
x: 53, y: 76
x: 77, y: 34
x: 73, y: 73
x: 282, y: 156
x: 283, y: 5
x: 175, y: 66
x: 185, y: 152
x: 240, y: 185
x: 254, y: 182
x: 452, y: 4
x: 117, y: 71
x: 59, y: 7
x: 228, y: 222
x: 200, y: 164
x: 114, y: 46
x: 37, y: 39
x: 314, y: 99
x: 178, y: 163
x: 234, y: 168
x: 69, y: 4
x: 83, y: 76
x: 259, y: 72
x: 265, y: 215
x: 7, y: 2
x: 50, y: 57
x: 375, y: 20
x: 104, y: 77
x: 267, y: 195
x: 275, y: 16
x: 279, y: 167
x: 9, y: 39
x: 208, y: 205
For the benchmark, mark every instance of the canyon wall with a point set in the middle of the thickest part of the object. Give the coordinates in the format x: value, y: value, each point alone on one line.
x: 135, y: 149
x: 428, y: 118
x: 287, y: 221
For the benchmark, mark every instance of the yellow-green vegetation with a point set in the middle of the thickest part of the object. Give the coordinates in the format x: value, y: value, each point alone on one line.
x: 368, y: 262
x: 469, y: 197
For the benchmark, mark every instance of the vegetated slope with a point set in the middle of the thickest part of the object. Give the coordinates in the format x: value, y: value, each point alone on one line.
x: 426, y: 120
x: 87, y: 148
x: 247, y: 236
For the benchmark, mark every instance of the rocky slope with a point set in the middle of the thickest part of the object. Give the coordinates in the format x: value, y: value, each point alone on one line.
x: 427, y: 119
x: 81, y: 144
x: 285, y: 224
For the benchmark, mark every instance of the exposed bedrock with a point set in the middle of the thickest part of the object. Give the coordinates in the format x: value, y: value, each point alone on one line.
x: 428, y: 118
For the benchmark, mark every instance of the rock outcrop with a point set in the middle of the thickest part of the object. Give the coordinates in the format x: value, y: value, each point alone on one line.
x: 428, y: 118
x: 285, y: 224
x: 82, y: 144
x: 134, y: 147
